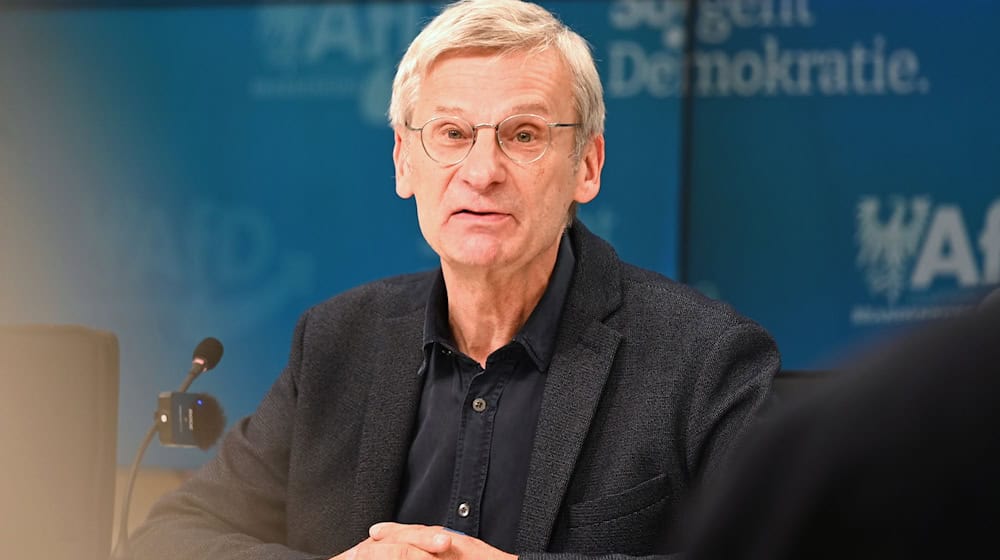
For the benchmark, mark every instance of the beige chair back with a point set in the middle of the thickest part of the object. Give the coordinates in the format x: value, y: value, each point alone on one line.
x: 58, y: 434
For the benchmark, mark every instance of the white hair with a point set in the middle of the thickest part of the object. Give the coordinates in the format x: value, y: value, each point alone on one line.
x: 502, y: 26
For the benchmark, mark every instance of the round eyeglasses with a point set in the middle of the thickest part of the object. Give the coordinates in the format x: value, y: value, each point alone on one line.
x: 523, y: 138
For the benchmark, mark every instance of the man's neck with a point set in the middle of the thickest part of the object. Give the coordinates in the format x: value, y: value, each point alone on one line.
x: 487, y: 309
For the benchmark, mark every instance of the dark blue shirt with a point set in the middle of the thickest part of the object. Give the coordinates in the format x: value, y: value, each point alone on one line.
x: 468, y: 463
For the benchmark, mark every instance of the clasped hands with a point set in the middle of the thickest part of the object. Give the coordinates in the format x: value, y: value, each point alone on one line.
x: 397, y: 541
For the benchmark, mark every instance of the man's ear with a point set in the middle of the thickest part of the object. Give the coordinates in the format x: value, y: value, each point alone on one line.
x: 401, y: 159
x: 589, y: 171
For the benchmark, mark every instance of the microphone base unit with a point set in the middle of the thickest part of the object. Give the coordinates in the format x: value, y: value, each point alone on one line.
x: 188, y: 419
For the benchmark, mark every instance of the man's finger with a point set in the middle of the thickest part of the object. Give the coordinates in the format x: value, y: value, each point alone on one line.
x: 429, y: 539
x: 372, y: 550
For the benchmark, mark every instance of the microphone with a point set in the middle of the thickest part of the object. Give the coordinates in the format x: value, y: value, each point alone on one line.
x: 205, y: 357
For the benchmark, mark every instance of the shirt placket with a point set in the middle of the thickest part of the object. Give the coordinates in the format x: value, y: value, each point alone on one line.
x: 475, y: 441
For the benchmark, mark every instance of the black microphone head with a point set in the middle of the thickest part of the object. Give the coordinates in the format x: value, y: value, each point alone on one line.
x: 208, y: 420
x: 208, y: 353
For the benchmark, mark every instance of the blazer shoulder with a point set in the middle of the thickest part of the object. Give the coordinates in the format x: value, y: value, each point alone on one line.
x: 384, y: 299
x: 674, y: 301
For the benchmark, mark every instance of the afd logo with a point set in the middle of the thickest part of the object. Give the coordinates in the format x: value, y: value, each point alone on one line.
x: 219, y: 262
x: 910, y: 245
x: 337, y: 51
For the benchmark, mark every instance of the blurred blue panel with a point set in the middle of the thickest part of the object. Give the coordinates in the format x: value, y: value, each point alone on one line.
x: 844, y: 177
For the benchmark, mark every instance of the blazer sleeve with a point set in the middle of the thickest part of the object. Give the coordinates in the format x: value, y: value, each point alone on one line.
x: 733, y: 385
x: 234, y: 506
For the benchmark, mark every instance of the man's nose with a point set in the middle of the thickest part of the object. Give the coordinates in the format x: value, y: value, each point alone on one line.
x: 484, y: 164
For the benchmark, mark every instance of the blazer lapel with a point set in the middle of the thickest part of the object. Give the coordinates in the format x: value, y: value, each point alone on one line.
x: 573, y: 388
x: 390, y: 415
x: 585, y: 351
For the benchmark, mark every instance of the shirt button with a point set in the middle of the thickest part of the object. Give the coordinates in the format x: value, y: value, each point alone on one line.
x: 463, y: 509
x: 479, y: 404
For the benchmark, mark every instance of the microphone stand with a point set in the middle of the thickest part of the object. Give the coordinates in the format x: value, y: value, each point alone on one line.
x: 120, y: 551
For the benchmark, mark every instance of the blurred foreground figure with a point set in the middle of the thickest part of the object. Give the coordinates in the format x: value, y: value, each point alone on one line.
x: 897, y: 459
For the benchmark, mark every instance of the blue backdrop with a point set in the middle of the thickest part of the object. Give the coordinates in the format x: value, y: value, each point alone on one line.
x: 844, y: 175
x: 175, y: 173
x: 170, y: 173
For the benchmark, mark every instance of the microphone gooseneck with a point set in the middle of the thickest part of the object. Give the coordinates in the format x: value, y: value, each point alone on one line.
x: 205, y: 357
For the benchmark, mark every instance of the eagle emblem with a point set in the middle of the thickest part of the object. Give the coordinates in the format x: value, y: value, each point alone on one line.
x: 887, y: 248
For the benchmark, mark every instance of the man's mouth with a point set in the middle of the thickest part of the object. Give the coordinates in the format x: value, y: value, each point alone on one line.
x: 480, y: 215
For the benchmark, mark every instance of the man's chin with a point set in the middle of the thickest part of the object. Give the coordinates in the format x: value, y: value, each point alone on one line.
x: 474, y: 251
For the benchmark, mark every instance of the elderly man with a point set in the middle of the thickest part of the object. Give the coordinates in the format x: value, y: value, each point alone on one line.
x: 534, y: 395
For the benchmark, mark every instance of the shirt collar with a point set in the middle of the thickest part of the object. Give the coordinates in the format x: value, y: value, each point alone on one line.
x: 537, y: 336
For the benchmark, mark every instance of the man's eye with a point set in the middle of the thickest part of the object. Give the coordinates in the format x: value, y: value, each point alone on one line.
x: 524, y: 136
x: 454, y: 134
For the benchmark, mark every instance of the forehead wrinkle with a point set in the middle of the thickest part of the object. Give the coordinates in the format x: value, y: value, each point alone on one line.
x: 534, y: 108
x: 525, y: 108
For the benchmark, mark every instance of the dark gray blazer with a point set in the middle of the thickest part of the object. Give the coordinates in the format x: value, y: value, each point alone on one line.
x: 649, y: 387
